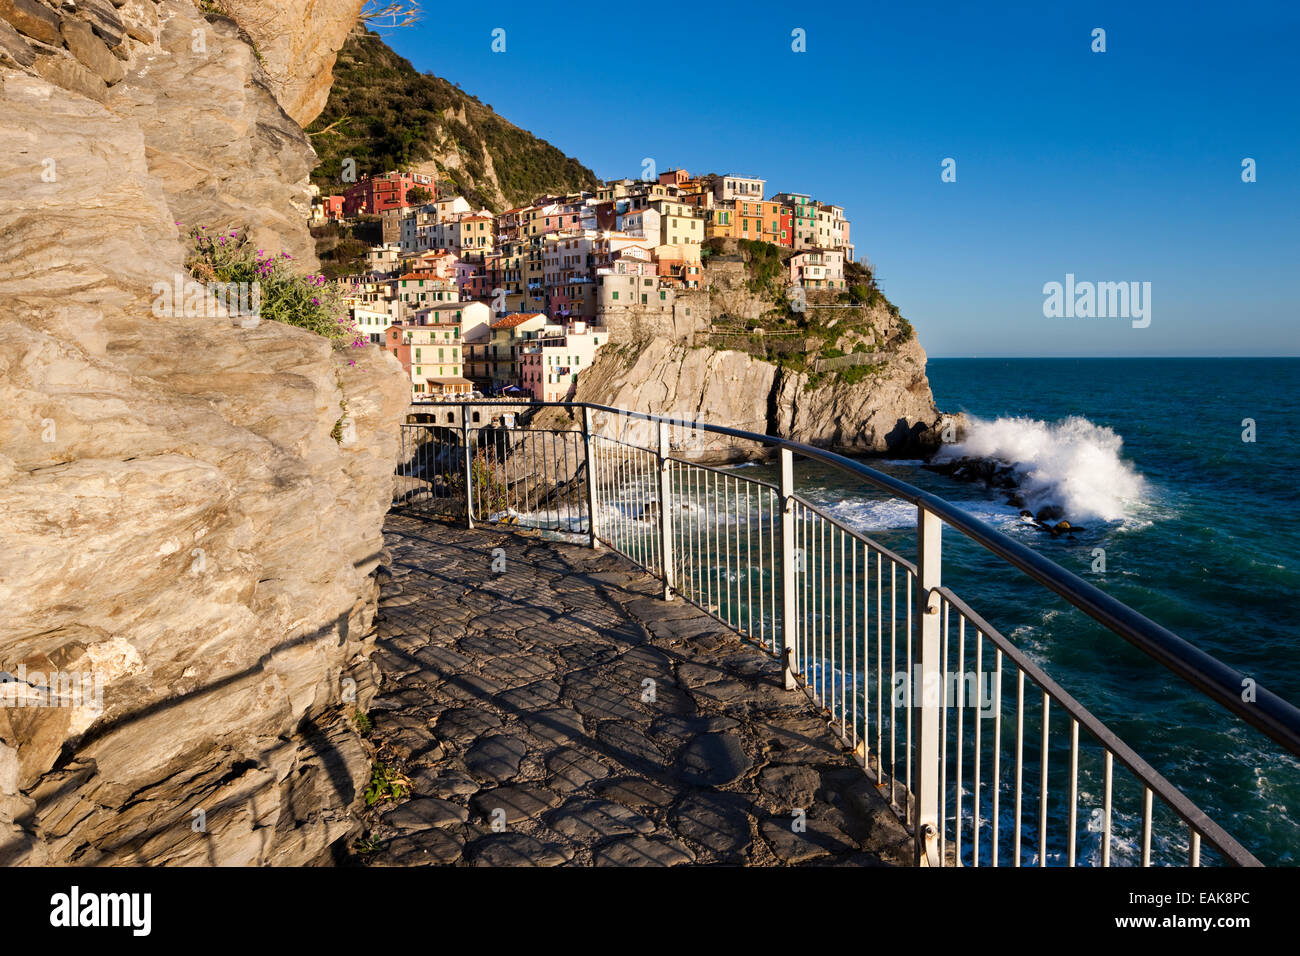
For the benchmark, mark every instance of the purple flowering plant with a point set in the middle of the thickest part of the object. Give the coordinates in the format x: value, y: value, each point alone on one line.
x: 307, y: 301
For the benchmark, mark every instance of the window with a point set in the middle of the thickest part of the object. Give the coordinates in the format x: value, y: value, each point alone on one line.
x: 662, y: 296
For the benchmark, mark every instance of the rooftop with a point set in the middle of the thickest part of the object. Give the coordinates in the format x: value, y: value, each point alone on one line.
x: 519, y: 318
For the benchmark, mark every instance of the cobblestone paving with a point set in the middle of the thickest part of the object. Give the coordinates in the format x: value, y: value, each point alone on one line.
x: 593, y: 722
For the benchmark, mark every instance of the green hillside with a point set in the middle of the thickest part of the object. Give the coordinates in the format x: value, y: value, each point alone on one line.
x: 386, y: 115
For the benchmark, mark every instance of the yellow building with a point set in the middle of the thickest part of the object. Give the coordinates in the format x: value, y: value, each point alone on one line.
x: 720, y: 221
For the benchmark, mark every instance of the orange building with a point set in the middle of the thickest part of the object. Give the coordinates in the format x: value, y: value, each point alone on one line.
x: 748, y: 219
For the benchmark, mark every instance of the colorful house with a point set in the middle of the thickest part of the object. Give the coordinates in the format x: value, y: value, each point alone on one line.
x: 431, y: 356
x: 377, y: 194
x: 551, y: 359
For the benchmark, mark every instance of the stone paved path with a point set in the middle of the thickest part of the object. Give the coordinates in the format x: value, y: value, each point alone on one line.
x: 594, y: 722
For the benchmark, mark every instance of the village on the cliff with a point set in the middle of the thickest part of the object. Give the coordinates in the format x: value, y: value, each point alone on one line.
x: 518, y: 303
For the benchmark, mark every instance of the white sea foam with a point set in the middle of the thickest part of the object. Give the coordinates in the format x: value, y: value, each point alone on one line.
x: 1071, y: 463
x: 891, y: 514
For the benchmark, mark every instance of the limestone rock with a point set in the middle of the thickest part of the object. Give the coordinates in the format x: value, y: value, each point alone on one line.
x: 14, y: 50
x: 665, y: 364
x: 298, y: 41
x: 91, y: 50
x: 32, y: 18
x: 175, y: 515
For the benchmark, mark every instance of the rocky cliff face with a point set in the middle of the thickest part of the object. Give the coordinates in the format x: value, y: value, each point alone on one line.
x: 893, y: 412
x: 177, y: 521
x: 671, y: 364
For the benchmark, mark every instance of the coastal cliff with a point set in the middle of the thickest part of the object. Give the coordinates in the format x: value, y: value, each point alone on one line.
x: 179, y: 520
x: 846, y: 376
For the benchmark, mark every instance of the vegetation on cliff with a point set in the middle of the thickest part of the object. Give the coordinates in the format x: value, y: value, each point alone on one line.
x: 282, y: 295
x: 342, y: 247
x: 804, y: 329
x: 386, y: 115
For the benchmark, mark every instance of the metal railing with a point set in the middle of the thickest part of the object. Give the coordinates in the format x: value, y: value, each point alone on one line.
x: 982, y: 766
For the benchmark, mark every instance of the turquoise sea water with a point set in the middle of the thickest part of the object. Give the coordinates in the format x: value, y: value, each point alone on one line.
x: 1199, y: 533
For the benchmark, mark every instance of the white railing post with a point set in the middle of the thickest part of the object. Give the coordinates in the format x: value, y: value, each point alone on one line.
x: 469, y: 466
x: 789, y: 610
x: 665, y: 513
x: 928, y: 670
x: 589, y: 458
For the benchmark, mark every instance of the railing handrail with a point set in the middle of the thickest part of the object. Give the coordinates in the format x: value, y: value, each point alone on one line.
x: 1171, y: 795
x: 1269, y: 713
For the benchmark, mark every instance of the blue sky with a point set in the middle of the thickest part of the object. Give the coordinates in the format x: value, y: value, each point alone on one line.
x: 1115, y: 166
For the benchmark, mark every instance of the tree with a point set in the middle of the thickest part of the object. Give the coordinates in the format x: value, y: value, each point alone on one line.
x: 418, y: 196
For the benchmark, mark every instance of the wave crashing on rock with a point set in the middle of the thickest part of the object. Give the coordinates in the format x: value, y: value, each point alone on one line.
x: 1071, y: 468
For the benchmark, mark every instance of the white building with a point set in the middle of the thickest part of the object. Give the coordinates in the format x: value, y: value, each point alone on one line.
x: 549, y: 364
x: 738, y: 187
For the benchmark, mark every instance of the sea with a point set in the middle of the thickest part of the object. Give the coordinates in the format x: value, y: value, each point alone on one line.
x: 1178, y: 478
x: 1180, y: 472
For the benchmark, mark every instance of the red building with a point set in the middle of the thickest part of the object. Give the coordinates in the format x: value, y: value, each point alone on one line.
x: 378, y: 194
x: 332, y: 206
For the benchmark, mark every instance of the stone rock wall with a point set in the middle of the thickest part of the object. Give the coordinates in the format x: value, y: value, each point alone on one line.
x: 298, y: 41
x: 662, y: 362
x: 893, y: 412
x: 176, y: 518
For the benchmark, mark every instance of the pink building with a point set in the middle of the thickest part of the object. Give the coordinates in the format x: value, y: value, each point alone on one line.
x: 551, y: 360
x: 818, y: 268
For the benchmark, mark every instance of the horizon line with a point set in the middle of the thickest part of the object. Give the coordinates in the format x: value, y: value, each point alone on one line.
x: 1109, y: 357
